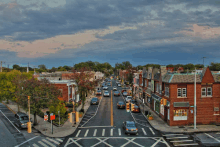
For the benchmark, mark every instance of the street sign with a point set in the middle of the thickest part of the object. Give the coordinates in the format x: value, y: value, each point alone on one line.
x: 52, y: 117
x: 191, y: 106
x: 45, y: 117
x: 51, y: 114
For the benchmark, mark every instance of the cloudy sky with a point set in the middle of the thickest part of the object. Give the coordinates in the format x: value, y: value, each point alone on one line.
x: 66, y: 32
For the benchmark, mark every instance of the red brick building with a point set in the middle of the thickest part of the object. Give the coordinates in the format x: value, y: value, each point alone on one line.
x: 179, y: 94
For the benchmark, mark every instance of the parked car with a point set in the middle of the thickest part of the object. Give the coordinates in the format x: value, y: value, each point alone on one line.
x: 125, y: 93
x: 99, y: 92
x: 130, y: 127
x: 119, y: 85
x: 105, y: 88
x: 94, y: 101
x: 21, y: 120
x: 114, y: 88
x: 116, y: 93
x: 121, y: 104
x: 128, y: 99
x: 106, y: 93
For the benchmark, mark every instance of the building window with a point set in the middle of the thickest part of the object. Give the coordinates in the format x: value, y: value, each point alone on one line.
x: 180, y: 114
x: 183, y: 92
x: 160, y: 89
x: 166, y: 91
x: 179, y: 92
x: 209, y: 91
x: 145, y: 83
x: 203, y: 91
x: 157, y: 87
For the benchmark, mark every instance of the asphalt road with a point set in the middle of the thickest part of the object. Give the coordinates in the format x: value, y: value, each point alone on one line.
x: 96, y: 130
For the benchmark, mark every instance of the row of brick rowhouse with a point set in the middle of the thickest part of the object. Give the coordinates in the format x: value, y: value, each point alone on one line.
x: 171, y: 95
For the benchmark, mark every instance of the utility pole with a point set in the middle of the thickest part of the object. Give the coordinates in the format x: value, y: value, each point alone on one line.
x: 195, y: 101
x: 1, y: 65
x: 203, y: 61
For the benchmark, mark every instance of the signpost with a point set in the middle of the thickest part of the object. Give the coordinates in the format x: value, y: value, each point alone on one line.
x: 52, y: 117
x: 45, y: 119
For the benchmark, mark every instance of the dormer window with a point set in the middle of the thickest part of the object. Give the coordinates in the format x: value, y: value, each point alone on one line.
x: 206, y: 91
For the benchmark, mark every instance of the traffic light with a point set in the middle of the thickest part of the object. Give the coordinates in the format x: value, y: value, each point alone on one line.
x: 164, y: 102
x: 161, y: 101
x: 132, y: 107
x: 28, y: 97
x: 127, y: 106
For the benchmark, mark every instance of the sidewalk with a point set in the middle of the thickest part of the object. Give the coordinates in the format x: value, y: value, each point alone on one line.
x: 160, y: 125
x: 65, y: 130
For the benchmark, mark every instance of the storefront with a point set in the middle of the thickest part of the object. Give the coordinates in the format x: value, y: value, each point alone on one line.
x: 180, y: 111
x: 156, y: 99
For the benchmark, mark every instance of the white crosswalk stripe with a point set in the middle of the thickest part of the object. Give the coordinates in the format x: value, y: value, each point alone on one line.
x: 103, y: 132
x: 40, y: 142
x: 48, y: 142
x: 95, y: 132
x: 86, y: 133
x: 58, y: 139
x: 78, y: 133
x: 35, y: 145
x: 119, y: 132
x: 144, y: 131
x: 52, y: 140
x: 152, y: 131
x: 111, y: 132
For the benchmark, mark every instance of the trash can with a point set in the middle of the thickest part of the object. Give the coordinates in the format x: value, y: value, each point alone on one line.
x: 146, y: 112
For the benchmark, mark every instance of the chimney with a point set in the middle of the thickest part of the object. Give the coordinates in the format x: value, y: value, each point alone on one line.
x: 163, y: 70
x: 150, y: 69
x: 155, y: 70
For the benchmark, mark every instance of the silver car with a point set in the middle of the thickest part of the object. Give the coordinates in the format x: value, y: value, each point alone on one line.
x: 130, y: 127
x: 105, y: 87
x: 21, y: 120
x: 106, y: 93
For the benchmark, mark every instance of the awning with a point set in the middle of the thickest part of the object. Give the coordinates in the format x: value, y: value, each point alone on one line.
x: 181, y: 104
x: 156, y: 97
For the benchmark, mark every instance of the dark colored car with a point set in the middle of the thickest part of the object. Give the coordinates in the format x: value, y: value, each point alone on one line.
x: 99, y: 92
x: 116, y: 93
x: 125, y: 93
x: 130, y: 127
x: 121, y: 104
x: 21, y: 120
x: 94, y: 101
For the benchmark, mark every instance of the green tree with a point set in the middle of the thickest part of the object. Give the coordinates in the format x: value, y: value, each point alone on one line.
x: 214, y: 66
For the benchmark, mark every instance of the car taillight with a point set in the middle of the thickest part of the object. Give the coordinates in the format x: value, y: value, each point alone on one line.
x: 126, y: 129
x: 137, y: 129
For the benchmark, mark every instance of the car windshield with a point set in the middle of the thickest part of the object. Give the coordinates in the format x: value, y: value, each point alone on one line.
x: 24, y: 118
x: 125, y: 92
x: 121, y: 103
x: 116, y: 92
x: 106, y: 91
x: 99, y: 91
x: 130, y: 125
x: 94, y: 99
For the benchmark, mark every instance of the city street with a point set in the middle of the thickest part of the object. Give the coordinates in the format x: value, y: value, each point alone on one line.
x: 96, y: 130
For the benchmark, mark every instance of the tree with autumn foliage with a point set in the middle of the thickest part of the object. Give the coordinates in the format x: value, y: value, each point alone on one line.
x: 130, y: 76
x: 42, y: 94
x: 85, y: 82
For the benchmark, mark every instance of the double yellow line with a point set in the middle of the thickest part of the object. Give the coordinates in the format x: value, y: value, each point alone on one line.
x: 111, y: 110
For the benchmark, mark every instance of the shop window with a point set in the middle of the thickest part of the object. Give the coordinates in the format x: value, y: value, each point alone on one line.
x: 180, y: 114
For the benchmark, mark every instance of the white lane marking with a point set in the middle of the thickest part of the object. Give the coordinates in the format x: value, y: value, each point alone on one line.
x: 95, y: 132
x: 101, y: 141
x: 111, y: 132
x: 26, y: 141
x: 48, y: 142
x: 86, y: 133
x: 71, y: 140
x: 212, y: 137
x: 127, y: 142
x: 152, y: 131
x: 78, y: 133
x: 156, y: 143
x: 59, y: 140
x: 103, y: 132
x: 35, y: 145
x: 52, y: 140
x: 144, y: 131
x: 40, y: 142
x: 95, y: 126
x: 119, y: 132
x: 11, y: 122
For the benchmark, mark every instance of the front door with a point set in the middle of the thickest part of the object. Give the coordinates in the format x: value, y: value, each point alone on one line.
x: 165, y: 113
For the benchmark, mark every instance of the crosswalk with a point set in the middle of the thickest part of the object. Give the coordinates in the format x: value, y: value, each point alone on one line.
x: 48, y: 142
x: 93, y: 132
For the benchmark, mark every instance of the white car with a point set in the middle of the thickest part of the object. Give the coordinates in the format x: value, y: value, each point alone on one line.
x: 106, y: 93
x: 119, y: 85
x: 114, y: 88
x: 128, y: 99
x: 105, y: 88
